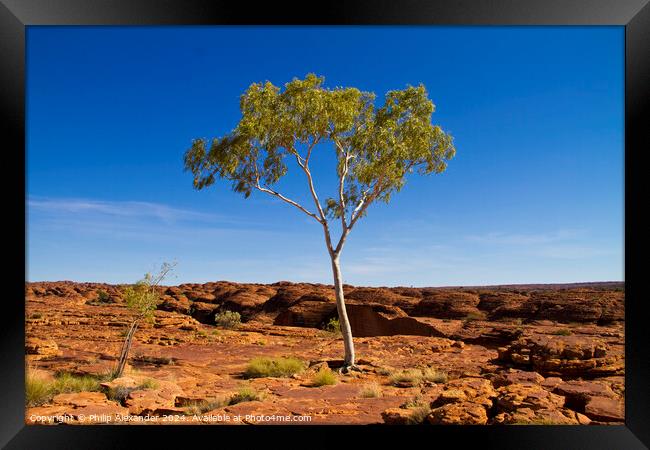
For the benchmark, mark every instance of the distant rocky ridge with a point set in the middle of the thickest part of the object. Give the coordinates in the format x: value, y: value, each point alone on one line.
x: 373, y: 311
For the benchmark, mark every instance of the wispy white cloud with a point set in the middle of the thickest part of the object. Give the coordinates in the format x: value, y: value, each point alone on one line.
x: 565, y: 244
x: 133, y: 221
x: 132, y: 209
x: 525, y: 238
x: 570, y: 251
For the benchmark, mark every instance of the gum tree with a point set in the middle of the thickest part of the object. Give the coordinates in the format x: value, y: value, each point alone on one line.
x: 376, y: 149
x: 142, y: 299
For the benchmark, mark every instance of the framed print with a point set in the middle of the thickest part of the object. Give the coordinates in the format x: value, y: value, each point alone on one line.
x: 406, y: 219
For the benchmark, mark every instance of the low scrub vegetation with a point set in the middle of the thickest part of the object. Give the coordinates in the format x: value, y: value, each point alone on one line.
x: 245, y: 394
x: 120, y: 393
x: 419, y: 414
x: 39, y: 389
x: 371, y: 390
x: 273, y: 367
x: 227, y: 319
x: 333, y: 326
x: 203, y: 406
x: 324, y: 377
x: 102, y: 298
x: 562, y: 332
x: 474, y: 316
x: 415, y: 377
x: 155, y: 360
x: 419, y: 409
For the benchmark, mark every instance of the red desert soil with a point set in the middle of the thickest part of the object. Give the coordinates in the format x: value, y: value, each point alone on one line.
x: 530, y: 354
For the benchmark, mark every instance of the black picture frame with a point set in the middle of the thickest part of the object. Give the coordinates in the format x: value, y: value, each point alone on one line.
x: 634, y: 15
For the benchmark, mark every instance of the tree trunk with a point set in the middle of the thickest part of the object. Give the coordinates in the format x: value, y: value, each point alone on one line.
x: 346, y: 330
x: 126, y: 347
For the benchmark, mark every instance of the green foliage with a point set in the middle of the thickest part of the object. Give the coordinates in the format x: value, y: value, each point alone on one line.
x: 273, y: 367
x: 324, y: 377
x: 245, y: 394
x: 40, y: 390
x: 37, y: 390
x: 67, y: 382
x: 333, y: 326
x: 376, y: 147
x: 142, y: 297
x: 227, y: 319
x: 103, y: 296
x: 149, y: 383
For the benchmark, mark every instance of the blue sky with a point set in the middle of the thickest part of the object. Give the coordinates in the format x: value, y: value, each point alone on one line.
x: 535, y: 193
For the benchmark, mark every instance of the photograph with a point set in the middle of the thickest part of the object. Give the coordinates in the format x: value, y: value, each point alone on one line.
x: 325, y: 225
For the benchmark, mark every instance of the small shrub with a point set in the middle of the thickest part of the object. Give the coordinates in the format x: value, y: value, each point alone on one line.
x: 197, y: 408
x: 434, y: 375
x: 36, y: 315
x: 121, y: 393
x: 37, y: 389
x: 563, y: 332
x: 227, y: 319
x: 103, y: 297
x: 370, y: 391
x: 324, y: 377
x: 474, y: 316
x: 149, y: 383
x: 420, y: 409
x: 245, y: 394
x: 156, y: 360
x: 333, y: 326
x: 410, y: 376
x: 417, y: 376
x: 385, y: 371
x: 273, y: 367
x: 415, y: 402
x: 419, y: 414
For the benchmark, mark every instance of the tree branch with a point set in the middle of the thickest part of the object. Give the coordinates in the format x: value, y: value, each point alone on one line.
x: 364, y: 203
x: 344, y: 173
x: 288, y: 200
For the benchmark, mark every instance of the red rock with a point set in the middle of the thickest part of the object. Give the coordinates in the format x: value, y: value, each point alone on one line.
x: 41, y: 348
x: 142, y: 402
x: 461, y: 413
x: 605, y: 409
x: 397, y: 416
x: 529, y: 416
x: 448, y: 304
x: 517, y: 396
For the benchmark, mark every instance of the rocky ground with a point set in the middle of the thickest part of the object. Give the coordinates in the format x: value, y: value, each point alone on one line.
x: 509, y: 355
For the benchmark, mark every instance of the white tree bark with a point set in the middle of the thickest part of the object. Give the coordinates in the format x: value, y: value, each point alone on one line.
x: 346, y: 330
